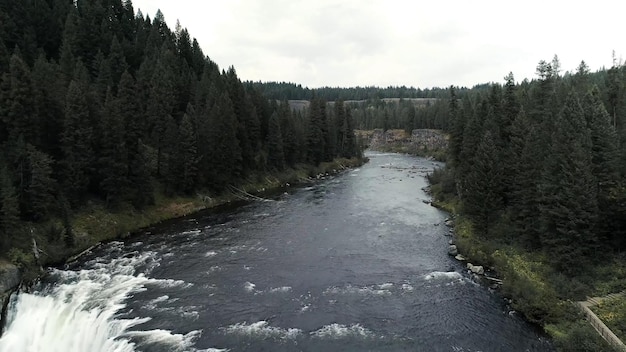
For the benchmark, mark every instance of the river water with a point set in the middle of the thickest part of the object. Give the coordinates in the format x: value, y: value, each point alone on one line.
x: 355, y: 262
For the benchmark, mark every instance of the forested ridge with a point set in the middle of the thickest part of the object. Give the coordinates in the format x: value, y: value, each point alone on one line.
x: 100, y: 103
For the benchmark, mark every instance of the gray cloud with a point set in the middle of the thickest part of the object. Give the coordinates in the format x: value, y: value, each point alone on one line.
x: 393, y: 42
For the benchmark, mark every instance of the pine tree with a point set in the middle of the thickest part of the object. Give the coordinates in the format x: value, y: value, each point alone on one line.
x: 611, y: 225
x: 9, y: 209
x: 482, y: 193
x: 509, y: 112
x: 615, y: 88
x: 112, y: 163
x: 275, y: 155
x: 186, y: 161
x: 527, y: 143
x: 581, y: 79
x: 21, y: 116
x: 116, y: 62
x: 410, y: 118
x: 510, y: 107
x: 339, y: 117
x: 568, y: 188
x: 5, y: 101
x: 289, y: 134
x: 471, y: 138
x: 76, y: 139
x: 49, y: 105
x: 349, y: 147
x: 160, y: 107
x: 140, y: 186
x: 315, y: 140
x: 40, y: 188
x: 458, y: 125
x: 69, y: 47
x: 224, y: 155
x: 4, y: 56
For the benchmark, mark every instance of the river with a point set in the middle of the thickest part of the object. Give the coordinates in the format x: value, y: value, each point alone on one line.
x: 355, y: 262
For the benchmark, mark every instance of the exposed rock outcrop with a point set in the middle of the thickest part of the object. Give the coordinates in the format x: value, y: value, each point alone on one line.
x: 419, y: 140
x: 9, y: 281
x: 9, y: 277
x: 429, y: 139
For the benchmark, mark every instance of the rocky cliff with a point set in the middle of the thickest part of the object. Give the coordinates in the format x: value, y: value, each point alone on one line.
x: 9, y: 280
x: 423, y: 142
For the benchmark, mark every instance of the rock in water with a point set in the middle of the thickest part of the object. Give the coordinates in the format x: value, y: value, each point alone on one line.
x: 452, y: 250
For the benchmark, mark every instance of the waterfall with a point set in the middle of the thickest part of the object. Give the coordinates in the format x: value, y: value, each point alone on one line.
x: 83, y: 311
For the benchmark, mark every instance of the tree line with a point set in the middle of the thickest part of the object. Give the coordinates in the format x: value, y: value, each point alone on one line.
x: 541, y: 164
x: 293, y: 91
x: 98, y: 102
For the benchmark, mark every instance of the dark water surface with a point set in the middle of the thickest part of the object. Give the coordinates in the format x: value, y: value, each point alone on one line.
x: 353, y: 263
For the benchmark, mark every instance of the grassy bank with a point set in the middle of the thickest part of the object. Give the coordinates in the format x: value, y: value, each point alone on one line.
x: 613, y: 313
x: 537, y: 291
x: 96, y: 223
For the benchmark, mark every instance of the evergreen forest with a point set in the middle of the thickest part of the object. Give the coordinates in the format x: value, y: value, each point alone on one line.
x: 99, y: 103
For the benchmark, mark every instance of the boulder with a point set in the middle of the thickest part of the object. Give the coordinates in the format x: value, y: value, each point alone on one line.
x: 460, y: 257
x: 449, y: 222
x: 476, y: 269
x: 452, y: 250
x: 9, y: 277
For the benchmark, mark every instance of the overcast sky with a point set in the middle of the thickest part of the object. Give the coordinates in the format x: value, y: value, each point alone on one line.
x: 392, y: 42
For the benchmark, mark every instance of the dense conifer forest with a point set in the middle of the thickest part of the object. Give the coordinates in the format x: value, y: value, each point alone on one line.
x: 101, y: 103
x: 542, y: 163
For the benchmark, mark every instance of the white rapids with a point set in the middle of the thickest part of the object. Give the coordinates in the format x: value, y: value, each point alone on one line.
x: 83, y: 312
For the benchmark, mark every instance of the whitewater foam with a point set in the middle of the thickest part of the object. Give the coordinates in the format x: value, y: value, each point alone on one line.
x: 262, y: 329
x: 283, y: 289
x: 174, y: 342
x: 374, y: 290
x: 249, y: 286
x: 338, y: 331
x: 446, y: 275
x: 407, y: 287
